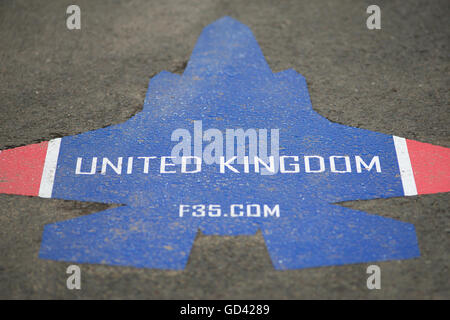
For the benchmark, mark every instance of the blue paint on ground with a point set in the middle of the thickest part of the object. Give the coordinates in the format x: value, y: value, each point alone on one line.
x: 227, y: 84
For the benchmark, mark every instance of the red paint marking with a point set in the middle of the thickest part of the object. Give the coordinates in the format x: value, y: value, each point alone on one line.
x: 431, y: 167
x: 21, y: 169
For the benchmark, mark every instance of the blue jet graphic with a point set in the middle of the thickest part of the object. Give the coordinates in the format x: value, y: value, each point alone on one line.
x: 227, y: 84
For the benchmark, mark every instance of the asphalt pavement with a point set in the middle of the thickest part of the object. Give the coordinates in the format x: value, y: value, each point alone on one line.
x: 56, y: 82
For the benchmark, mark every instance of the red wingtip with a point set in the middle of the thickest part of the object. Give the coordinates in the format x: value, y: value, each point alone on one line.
x: 431, y: 167
x: 21, y: 169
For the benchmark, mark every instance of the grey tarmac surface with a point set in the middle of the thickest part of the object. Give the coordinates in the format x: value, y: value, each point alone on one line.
x: 55, y: 82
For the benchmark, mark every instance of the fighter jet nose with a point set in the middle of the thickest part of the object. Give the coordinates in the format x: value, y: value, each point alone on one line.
x: 226, y: 48
x: 431, y: 167
x: 28, y: 170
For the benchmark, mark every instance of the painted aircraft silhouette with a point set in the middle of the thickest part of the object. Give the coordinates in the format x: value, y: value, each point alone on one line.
x: 227, y: 84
